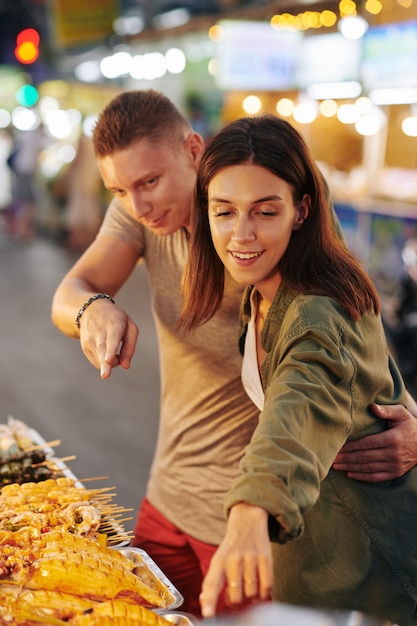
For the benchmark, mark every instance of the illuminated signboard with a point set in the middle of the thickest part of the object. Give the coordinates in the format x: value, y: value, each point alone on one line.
x: 252, y: 55
x: 390, y: 56
x: 328, y: 58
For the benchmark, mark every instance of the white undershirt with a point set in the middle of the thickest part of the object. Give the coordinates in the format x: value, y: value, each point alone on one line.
x: 251, y: 378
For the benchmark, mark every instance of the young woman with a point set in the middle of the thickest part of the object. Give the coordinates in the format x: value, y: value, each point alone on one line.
x: 313, y: 351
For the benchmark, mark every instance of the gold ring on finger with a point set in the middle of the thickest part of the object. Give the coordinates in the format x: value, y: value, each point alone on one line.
x: 234, y: 585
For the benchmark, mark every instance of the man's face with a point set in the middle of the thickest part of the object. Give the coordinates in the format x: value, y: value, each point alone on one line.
x: 154, y: 182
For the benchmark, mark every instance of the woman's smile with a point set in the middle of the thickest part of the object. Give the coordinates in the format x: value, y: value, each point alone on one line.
x: 245, y: 256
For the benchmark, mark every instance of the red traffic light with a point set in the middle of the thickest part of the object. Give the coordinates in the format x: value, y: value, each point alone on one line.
x: 29, y: 34
x: 27, y: 42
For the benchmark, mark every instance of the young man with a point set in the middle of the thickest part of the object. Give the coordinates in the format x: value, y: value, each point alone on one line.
x: 147, y: 155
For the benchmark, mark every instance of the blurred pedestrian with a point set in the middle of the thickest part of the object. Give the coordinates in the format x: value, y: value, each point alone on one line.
x: 24, y: 164
x: 6, y: 146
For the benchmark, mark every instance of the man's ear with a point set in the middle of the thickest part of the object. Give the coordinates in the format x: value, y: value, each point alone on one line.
x: 195, y: 145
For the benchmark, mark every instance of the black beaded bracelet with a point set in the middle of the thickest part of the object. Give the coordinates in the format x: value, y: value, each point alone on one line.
x: 89, y: 301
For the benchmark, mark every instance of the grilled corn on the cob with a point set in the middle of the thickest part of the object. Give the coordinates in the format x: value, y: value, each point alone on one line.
x: 80, y: 567
x: 51, y: 603
x: 117, y: 613
x: 27, y: 607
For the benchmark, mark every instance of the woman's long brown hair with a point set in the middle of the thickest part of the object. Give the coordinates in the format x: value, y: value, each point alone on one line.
x: 316, y: 262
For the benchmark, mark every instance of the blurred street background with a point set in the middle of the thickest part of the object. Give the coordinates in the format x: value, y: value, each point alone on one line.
x: 45, y: 380
x: 343, y: 72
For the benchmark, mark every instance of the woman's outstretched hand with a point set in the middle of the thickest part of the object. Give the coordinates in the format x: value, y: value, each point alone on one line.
x: 242, y: 565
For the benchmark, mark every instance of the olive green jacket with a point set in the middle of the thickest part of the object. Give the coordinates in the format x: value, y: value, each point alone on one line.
x: 336, y: 542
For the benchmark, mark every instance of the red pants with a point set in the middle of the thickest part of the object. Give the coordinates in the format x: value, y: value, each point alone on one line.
x: 183, y: 559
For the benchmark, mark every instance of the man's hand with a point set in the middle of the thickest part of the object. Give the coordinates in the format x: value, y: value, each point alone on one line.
x: 386, y: 455
x: 108, y: 337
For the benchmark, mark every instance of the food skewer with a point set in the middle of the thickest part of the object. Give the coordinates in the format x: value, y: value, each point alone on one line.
x: 86, y: 480
x: 109, y: 524
x: 25, y: 460
x: 63, y: 459
x: 101, y: 490
x: 42, y: 446
x: 55, y: 461
x: 116, y: 518
x: 115, y: 512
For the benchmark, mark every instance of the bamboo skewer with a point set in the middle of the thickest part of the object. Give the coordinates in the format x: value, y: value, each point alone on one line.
x: 115, y: 512
x: 106, y: 519
x: 102, y: 499
x: 42, y: 446
x: 66, y: 458
x: 100, y: 491
x: 109, y: 522
x: 54, y: 461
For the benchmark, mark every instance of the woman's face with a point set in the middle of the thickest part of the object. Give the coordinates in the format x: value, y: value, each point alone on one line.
x: 252, y: 215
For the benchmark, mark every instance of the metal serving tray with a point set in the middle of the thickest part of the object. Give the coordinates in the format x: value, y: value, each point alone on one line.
x: 144, y: 566
x: 151, y: 575
x: 178, y: 618
x: 50, y: 455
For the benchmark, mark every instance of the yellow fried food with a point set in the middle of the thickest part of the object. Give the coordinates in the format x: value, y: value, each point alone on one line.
x: 13, y: 612
x: 61, y: 503
x: 27, y: 607
x: 117, y: 613
x: 107, y: 620
x: 49, y: 504
x: 8, y: 598
x: 80, y: 567
x: 55, y: 604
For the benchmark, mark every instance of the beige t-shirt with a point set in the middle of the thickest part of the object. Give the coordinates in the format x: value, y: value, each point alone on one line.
x: 206, y: 418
